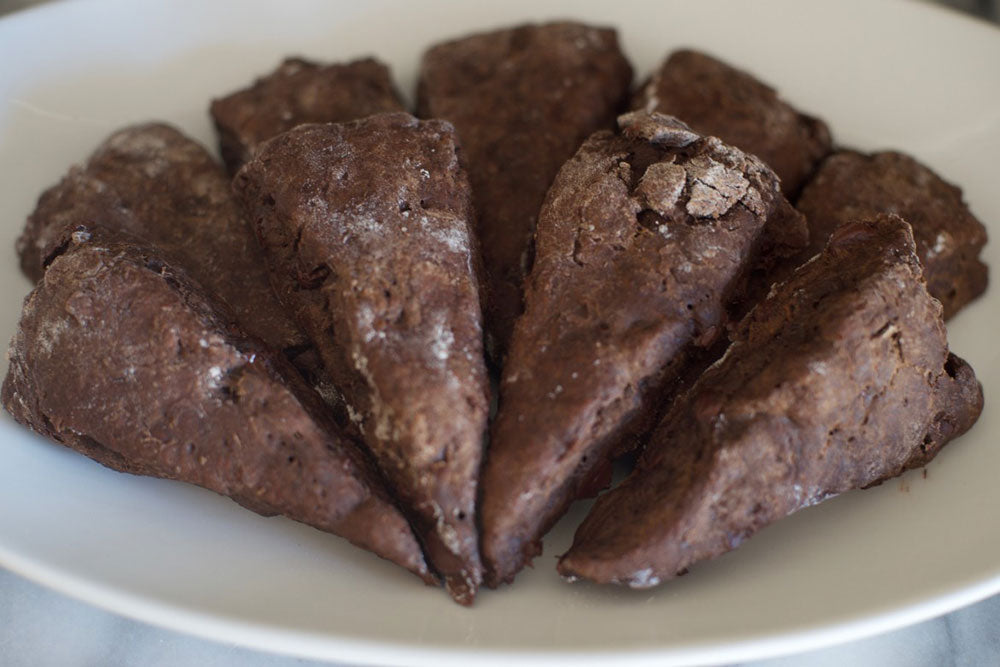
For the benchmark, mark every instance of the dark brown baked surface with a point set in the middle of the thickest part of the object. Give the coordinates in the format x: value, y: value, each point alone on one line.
x: 300, y: 91
x: 522, y: 100
x: 717, y: 99
x: 126, y: 360
x: 851, y: 185
x: 367, y: 231
x: 839, y: 380
x: 155, y: 184
x: 643, y: 240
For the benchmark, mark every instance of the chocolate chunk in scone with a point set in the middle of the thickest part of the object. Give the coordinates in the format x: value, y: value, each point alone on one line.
x: 717, y: 99
x: 123, y: 358
x: 644, y: 239
x: 851, y: 185
x: 155, y: 184
x: 839, y: 380
x: 367, y: 231
x: 522, y: 100
x: 300, y: 91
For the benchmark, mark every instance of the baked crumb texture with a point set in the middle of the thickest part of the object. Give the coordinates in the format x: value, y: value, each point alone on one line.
x: 839, y: 380
x: 151, y: 183
x: 645, y: 237
x: 851, y: 185
x: 300, y: 91
x: 522, y: 100
x: 717, y: 99
x: 125, y: 359
x: 367, y: 231
x: 156, y: 185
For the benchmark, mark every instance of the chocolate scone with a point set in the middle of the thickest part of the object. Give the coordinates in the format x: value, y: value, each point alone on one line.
x: 367, y: 231
x: 523, y: 100
x: 644, y: 239
x: 851, y: 185
x: 717, y: 99
x: 155, y: 184
x: 125, y: 359
x: 839, y: 380
x: 300, y: 91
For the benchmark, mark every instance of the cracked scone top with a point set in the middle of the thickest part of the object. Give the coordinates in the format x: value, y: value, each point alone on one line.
x: 840, y: 379
x: 718, y: 99
x: 122, y: 357
x: 644, y: 238
x: 366, y: 228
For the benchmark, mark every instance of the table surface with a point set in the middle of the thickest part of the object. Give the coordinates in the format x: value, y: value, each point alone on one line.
x: 39, y: 627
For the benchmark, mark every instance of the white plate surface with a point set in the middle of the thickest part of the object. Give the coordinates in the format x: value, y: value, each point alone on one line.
x: 883, y: 74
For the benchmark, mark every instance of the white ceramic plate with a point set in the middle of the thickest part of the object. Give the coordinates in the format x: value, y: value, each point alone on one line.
x: 883, y: 74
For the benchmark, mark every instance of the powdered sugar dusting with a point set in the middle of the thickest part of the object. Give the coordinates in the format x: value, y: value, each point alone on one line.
x: 442, y: 340
x: 940, y: 243
x: 50, y: 334
x: 643, y: 579
x: 141, y: 143
x: 447, y: 232
x: 380, y: 411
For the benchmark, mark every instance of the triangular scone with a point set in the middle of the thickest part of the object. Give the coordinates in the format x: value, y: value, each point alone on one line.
x: 299, y: 91
x: 644, y: 238
x: 718, y: 99
x: 522, y: 99
x: 851, y: 186
x: 839, y: 380
x: 128, y: 361
x: 366, y: 227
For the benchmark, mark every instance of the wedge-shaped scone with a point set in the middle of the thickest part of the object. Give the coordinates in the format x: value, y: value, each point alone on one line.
x: 715, y: 98
x: 367, y: 230
x: 128, y: 361
x: 522, y: 100
x: 157, y: 185
x: 839, y: 380
x: 300, y: 91
x: 851, y: 185
x: 644, y: 238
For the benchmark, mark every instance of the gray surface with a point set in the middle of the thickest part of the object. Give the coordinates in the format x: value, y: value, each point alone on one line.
x: 39, y: 628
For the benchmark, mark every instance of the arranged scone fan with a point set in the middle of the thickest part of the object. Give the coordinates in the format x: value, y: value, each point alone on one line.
x: 310, y: 338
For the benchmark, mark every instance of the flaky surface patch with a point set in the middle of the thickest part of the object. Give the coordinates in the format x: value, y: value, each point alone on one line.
x: 717, y: 99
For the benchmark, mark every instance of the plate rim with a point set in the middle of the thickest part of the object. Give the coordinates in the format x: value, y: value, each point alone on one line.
x: 266, y: 638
